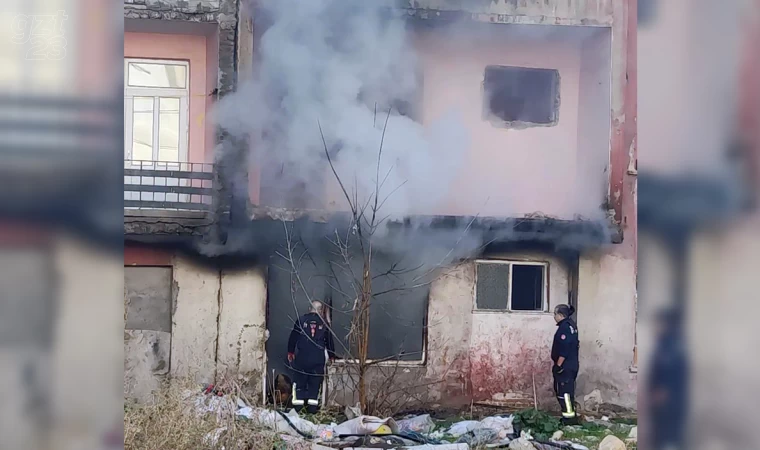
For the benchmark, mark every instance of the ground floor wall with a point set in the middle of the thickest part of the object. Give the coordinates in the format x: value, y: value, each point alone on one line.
x: 191, y: 321
x: 498, y: 357
x: 218, y: 326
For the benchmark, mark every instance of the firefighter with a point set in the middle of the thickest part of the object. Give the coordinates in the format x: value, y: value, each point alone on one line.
x: 565, y: 359
x: 309, y: 344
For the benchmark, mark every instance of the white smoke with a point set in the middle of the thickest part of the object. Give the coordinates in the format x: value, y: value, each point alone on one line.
x: 342, y: 66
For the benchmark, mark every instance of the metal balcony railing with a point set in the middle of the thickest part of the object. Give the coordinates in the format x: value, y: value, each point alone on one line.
x: 174, y: 186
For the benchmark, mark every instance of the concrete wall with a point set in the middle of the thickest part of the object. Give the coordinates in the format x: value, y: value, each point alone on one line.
x: 195, y: 321
x: 217, y: 324
x: 506, y: 162
x: 495, y: 356
x: 147, y: 329
x: 490, y: 355
x: 242, y: 326
x: 607, y: 324
x: 565, y: 12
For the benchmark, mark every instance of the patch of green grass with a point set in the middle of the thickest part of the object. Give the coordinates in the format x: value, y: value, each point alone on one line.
x: 541, y: 424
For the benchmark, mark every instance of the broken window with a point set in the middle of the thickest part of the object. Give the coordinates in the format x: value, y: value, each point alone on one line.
x: 510, y: 286
x: 519, y: 96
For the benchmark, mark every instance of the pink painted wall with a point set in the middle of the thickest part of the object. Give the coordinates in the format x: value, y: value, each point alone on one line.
x: 506, y: 171
x: 192, y: 48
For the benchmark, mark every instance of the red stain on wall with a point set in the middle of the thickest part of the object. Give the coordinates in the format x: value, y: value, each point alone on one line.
x: 509, y: 365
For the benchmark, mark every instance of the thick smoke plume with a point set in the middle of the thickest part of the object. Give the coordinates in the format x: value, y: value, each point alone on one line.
x: 346, y: 67
x: 344, y: 75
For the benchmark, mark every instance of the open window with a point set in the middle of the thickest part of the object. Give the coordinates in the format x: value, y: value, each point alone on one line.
x: 517, y: 286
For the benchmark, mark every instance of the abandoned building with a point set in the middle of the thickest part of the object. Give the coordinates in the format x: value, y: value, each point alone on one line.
x: 547, y: 93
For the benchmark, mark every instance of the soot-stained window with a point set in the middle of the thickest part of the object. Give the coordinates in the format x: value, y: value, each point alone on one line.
x: 397, y: 315
x: 510, y: 286
x: 517, y: 97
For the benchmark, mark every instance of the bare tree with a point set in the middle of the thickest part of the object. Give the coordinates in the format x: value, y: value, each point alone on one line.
x: 354, y: 249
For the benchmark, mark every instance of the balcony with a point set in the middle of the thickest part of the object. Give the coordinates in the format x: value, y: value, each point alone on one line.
x: 168, y: 186
x: 167, y: 198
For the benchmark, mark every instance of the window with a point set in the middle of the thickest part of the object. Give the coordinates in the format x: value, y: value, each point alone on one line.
x: 511, y: 286
x: 156, y: 110
x: 520, y: 97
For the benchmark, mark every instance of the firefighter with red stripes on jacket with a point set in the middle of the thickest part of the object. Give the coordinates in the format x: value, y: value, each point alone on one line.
x: 310, y: 343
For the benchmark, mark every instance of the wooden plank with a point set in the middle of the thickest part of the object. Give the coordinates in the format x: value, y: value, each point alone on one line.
x: 168, y: 174
x: 168, y: 189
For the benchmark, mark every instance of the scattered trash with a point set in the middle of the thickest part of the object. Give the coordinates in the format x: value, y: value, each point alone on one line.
x: 367, y: 425
x: 578, y: 446
x: 277, y: 422
x: 521, y: 443
x: 478, y: 437
x: 612, y: 443
x: 419, y: 424
x: 440, y: 447
x: 463, y: 427
x: 413, y: 432
x: 352, y: 412
x: 211, y: 438
x: 326, y: 432
x: 633, y: 436
x: 592, y: 401
x: 503, y: 425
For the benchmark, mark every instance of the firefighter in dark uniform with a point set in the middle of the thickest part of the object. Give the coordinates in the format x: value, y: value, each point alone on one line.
x: 565, y: 359
x: 309, y: 341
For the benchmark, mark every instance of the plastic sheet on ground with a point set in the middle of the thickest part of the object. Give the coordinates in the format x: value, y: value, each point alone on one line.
x: 222, y: 407
x: 419, y: 424
x: 365, y: 425
x: 502, y: 426
x: 440, y: 447
x: 463, y: 427
x: 479, y: 437
x: 274, y: 421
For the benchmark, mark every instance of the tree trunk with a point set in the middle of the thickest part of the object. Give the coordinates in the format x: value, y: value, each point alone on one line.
x: 363, y: 327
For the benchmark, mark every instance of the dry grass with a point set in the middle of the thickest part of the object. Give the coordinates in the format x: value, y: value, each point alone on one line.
x: 172, y: 422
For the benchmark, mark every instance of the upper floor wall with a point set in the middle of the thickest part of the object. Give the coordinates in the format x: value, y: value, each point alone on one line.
x: 552, y: 12
x: 511, y: 165
x: 557, y: 168
x: 209, y: 7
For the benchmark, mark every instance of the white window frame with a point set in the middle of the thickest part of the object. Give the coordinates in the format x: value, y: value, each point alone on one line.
x: 511, y: 262
x: 184, y: 122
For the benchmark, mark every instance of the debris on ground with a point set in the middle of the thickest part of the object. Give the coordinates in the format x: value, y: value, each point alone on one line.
x: 523, y: 430
x: 364, y: 425
x: 633, y: 436
x: 352, y: 412
x: 612, y: 443
x: 419, y: 424
x: 592, y: 401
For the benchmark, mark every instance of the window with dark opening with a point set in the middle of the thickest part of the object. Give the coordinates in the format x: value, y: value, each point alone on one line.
x: 519, y: 96
x: 510, y: 286
x: 527, y: 288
